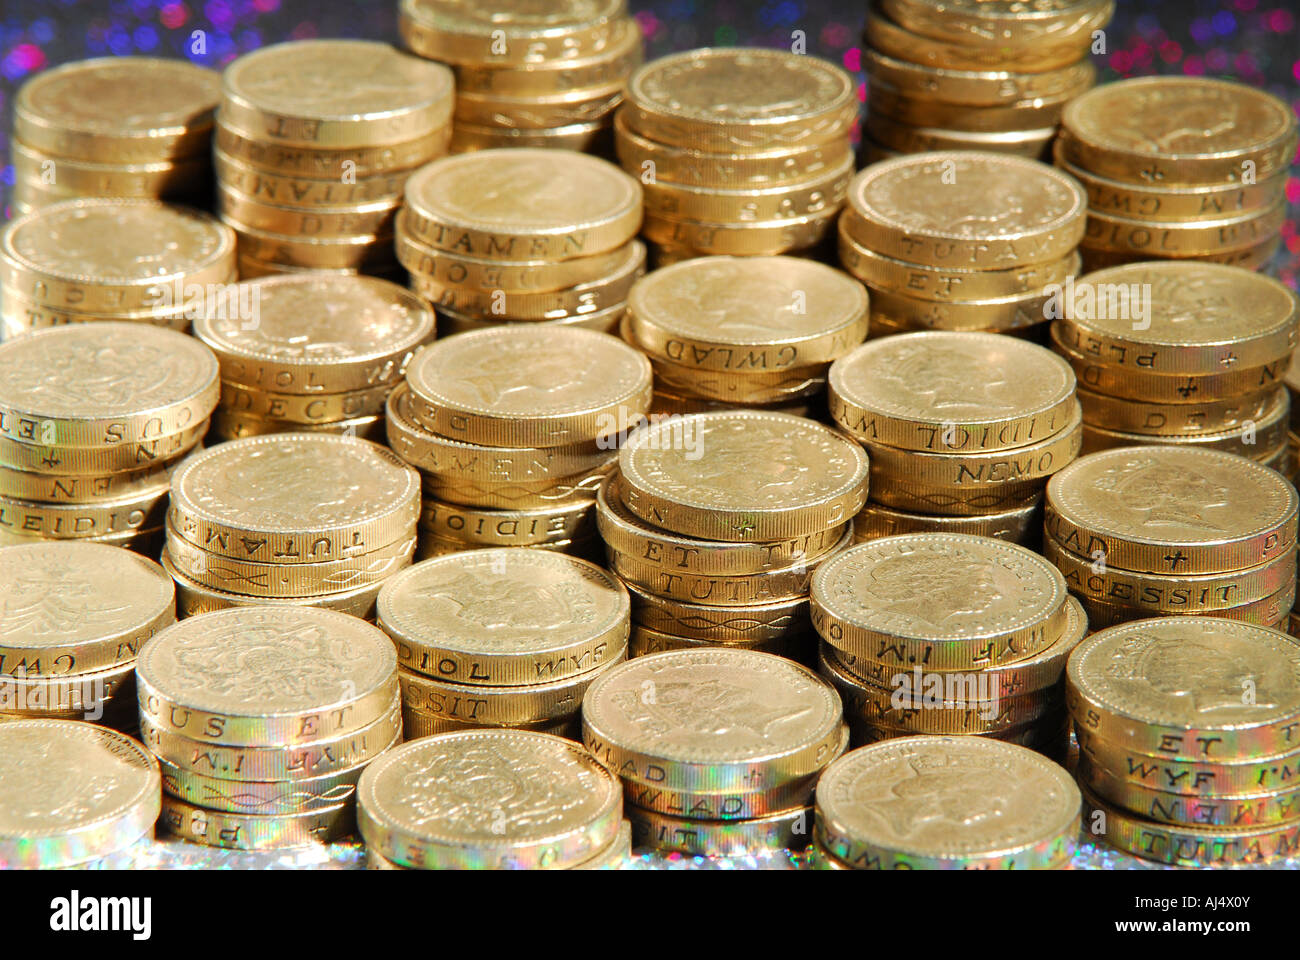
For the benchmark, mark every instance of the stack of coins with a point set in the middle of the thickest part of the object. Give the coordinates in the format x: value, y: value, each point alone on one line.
x: 71, y: 792
x: 717, y: 520
x: 522, y: 235
x: 1181, y: 353
x: 961, y: 240
x: 1179, y: 168
x: 93, y: 260
x: 74, y: 617
x: 491, y: 800
x: 1153, y: 531
x: 297, y: 519
x: 1187, y: 740
x: 753, y: 332
x: 975, y: 76
x: 115, y: 127
x: 718, y: 750
x: 92, y: 419
x: 961, y: 438
x: 262, y: 720
x: 742, y: 151
x: 501, y: 638
x: 945, y: 803
x: 315, y: 353
x: 947, y: 634
x: 512, y: 431
x: 544, y: 75
x: 315, y: 141
x: 1292, y: 380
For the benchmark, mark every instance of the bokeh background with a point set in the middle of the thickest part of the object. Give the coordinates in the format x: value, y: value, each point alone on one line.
x: 1254, y: 41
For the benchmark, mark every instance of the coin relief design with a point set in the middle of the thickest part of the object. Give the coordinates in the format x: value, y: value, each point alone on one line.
x: 118, y: 94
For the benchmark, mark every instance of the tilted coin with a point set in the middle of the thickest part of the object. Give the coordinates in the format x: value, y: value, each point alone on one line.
x: 525, y: 387
x: 317, y: 335
x: 753, y: 624
x: 742, y: 476
x: 789, y: 830
x: 72, y: 608
x: 951, y: 391
x: 500, y: 799
x: 1003, y: 806
x: 504, y: 617
x: 756, y: 315
x: 336, y: 93
x: 951, y: 209
x: 1022, y: 525
x: 294, y: 498
x: 266, y: 676
x: 523, y: 204
x: 71, y: 792
x: 1167, y: 685
x: 512, y: 33
x: 942, y: 601
x: 255, y: 831
x: 1171, y: 510
x: 712, y: 721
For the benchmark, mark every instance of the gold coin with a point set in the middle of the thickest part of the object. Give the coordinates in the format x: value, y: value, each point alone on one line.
x: 946, y: 210
x: 1140, y: 131
x: 541, y: 112
x: 511, y: 33
x: 55, y: 178
x: 822, y: 193
x: 578, y: 137
x: 1119, y: 687
x: 1022, y: 525
x: 862, y: 820
x: 119, y: 110
x: 20, y: 315
x: 474, y: 527
x: 308, y: 410
x: 294, y: 498
x: 683, y: 404
x: 921, y: 111
x: 529, y: 388
x: 248, y: 183
x: 1258, y: 439
x: 539, y: 78
x: 451, y: 322
x: 978, y: 88
x: 1000, y: 315
x: 504, y: 617
x: 1172, y: 510
x: 119, y: 255
x: 233, y: 426
x: 255, y: 831
x: 740, y: 389
x: 523, y: 204
x: 243, y: 212
x: 371, y: 253
x: 1011, y: 606
x: 266, y: 676
x: 88, y: 696
x: 767, y: 721
x: 613, y: 856
x: 762, y: 238
x: 79, y: 521
x: 1175, y: 419
x: 1255, y: 257
x: 143, y: 389
x: 419, y: 725
x: 336, y: 94
x: 114, y: 780
x: 1265, y: 613
x: 951, y: 391
x: 541, y: 802
x: 1188, y: 238
x: 751, y: 315
x: 645, y: 641
x: 740, y: 100
x: 788, y: 830
x: 55, y: 488
x: 1001, y: 23
x: 753, y: 624
x: 798, y: 476
x: 895, y: 135
x: 320, y: 163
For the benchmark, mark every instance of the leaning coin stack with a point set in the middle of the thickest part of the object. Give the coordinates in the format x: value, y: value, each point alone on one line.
x: 961, y: 438
x: 742, y: 151
x: 262, y: 720
x: 491, y: 800
x: 1187, y: 740
x: 751, y: 332
x: 527, y: 236
x: 947, y: 634
x: 529, y: 75
x: 716, y: 522
x: 93, y: 418
x: 961, y: 240
x: 1179, y: 168
x: 92, y: 260
x: 115, y: 127
x: 718, y: 750
x: 501, y: 638
x: 975, y: 76
x: 945, y: 803
x: 71, y: 793
x: 512, y: 431
x: 1154, y: 531
x: 312, y: 353
x: 73, y: 619
x: 1181, y: 353
x: 315, y: 141
x: 298, y: 519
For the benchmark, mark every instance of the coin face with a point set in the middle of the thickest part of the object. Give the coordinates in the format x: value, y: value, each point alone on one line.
x: 488, y: 798
x: 962, y: 799
x: 71, y: 792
